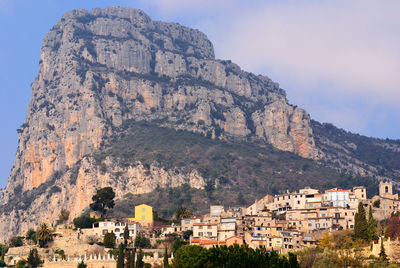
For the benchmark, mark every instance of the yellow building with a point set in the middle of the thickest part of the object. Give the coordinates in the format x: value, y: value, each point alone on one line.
x: 143, y: 215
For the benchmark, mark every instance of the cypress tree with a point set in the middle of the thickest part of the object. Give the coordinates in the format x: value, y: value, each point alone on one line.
x: 166, y: 258
x: 372, y: 226
x: 382, y: 254
x: 33, y: 258
x: 126, y: 235
x: 139, y: 261
x: 121, y: 257
x: 360, y: 223
x: 132, y: 260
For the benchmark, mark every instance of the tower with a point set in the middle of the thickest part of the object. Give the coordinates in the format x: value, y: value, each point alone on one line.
x: 385, y: 189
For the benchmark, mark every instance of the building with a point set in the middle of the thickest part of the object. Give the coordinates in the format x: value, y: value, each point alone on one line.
x: 143, y: 215
x: 117, y: 227
x: 205, y: 231
x: 226, y: 228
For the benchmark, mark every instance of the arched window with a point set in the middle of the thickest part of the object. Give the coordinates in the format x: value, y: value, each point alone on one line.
x: 386, y: 189
x: 117, y: 230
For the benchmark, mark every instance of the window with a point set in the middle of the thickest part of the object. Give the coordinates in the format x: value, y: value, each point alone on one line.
x: 200, y: 233
x: 105, y: 231
x: 117, y: 230
x: 144, y: 209
x: 143, y: 217
x: 209, y: 233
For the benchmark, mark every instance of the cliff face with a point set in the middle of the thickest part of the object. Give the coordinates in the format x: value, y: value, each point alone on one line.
x: 101, y: 69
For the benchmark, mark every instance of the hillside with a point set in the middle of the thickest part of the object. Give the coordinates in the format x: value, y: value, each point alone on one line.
x: 140, y: 105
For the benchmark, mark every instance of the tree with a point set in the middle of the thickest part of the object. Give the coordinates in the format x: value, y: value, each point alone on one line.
x: 131, y: 263
x: 31, y: 235
x: 360, y: 223
x: 393, y: 227
x: 121, y: 256
x: 109, y: 240
x: 82, y: 265
x: 382, y: 254
x: 240, y: 199
x: 84, y: 221
x: 326, y: 241
x: 126, y: 234
x: 372, y: 226
x: 16, y: 241
x: 33, y: 258
x: 139, y: 261
x: 102, y: 200
x: 64, y: 215
x: 182, y: 213
x: 141, y: 241
x: 165, y: 263
x: 43, y: 235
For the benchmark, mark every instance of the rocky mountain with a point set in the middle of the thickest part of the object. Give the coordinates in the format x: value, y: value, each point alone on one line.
x: 103, y: 69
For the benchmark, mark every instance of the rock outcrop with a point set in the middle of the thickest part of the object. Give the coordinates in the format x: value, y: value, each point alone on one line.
x: 99, y: 69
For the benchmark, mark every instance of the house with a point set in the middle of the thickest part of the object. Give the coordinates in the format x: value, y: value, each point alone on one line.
x: 143, y: 215
x: 238, y: 240
x: 117, y: 227
x: 226, y: 228
x: 205, y: 230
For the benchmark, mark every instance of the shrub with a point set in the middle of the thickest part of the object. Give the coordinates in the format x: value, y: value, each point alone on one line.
x: 84, y: 221
x: 16, y: 241
x: 142, y: 242
x: 109, y: 240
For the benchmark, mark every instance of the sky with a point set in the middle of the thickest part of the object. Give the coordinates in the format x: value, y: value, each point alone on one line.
x: 339, y: 60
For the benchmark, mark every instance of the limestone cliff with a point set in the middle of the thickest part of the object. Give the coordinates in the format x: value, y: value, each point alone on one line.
x: 101, y: 68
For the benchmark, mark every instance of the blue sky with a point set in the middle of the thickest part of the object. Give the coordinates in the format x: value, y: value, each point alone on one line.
x: 337, y: 59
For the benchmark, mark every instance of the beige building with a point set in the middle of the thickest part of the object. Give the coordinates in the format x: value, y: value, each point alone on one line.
x: 101, y: 228
x: 226, y: 228
x: 205, y: 230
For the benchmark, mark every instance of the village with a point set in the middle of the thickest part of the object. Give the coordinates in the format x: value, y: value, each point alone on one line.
x: 283, y: 223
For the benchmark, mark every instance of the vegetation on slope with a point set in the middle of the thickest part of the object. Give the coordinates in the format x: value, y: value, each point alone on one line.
x: 236, y: 172
x: 384, y: 155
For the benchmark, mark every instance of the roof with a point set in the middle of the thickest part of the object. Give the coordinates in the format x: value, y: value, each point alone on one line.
x: 207, y: 242
x: 205, y: 223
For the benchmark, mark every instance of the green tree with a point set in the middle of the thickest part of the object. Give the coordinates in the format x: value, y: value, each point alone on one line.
x: 102, y: 200
x: 372, y: 226
x: 132, y: 259
x: 360, y: 223
x: 33, y: 258
x: 31, y: 235
x: 82, y: 265
x: 165, y: 262
x: 382, y: 253
x: 121, y: 256
x: 84, y: 221
x: 64, y: 215
x: 109, y: 240
x: 43, y: 235
x: 126, y: 235
x: 16, y: 241
x: 240, y: 199
x: 139, y: 261
x: 3, y: 250
x: 182, y: 213
x: 141, y: 241
x: 233, y: 256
